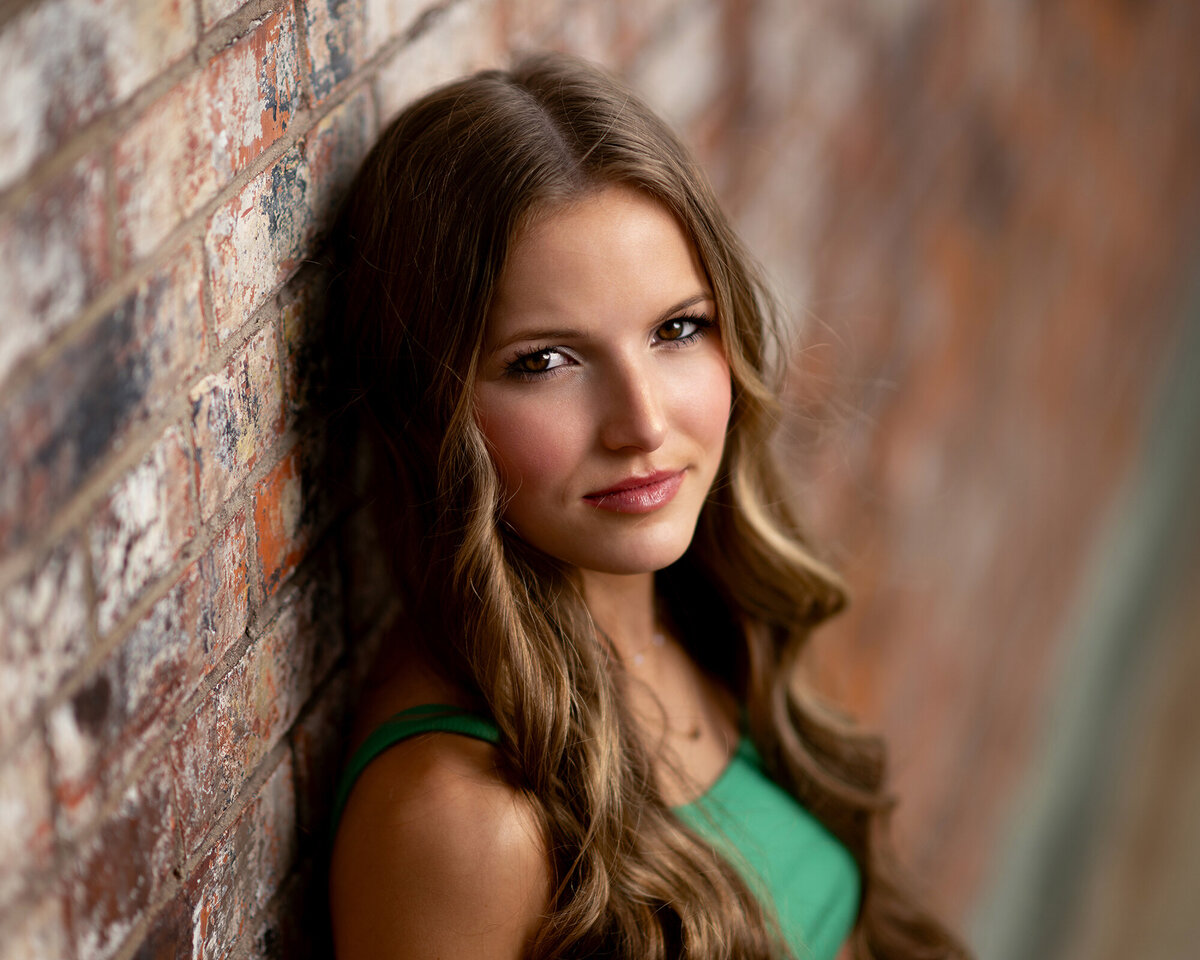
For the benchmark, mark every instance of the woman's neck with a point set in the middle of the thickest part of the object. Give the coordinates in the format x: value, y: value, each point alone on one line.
x: 624, y: 608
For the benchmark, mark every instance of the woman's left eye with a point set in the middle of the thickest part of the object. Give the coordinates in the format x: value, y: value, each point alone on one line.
x: 682, y: 329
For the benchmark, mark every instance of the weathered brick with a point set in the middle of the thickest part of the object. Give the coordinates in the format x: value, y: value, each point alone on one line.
x: 38, y: 932
x: 257, y: 240
x: 369, y: 585
x: 335, y: 33
x: 244, y: 716
x: 303, y: 362
x: 170, y: 933
x: 26, y: 820
x: 118, y: 716
x: 453, y: 44
x: 139, y: 532
x: 43, y: 635
x: 245, y: 868
x: 333, y: 152
x: 318, y: 740
x: 176, y: 158
x: 667, y: 76
x: 66, y: 61
x: 224, y: 599
x: 386, y: 20
x: 284, y: 520
x: 236, y: 415
x: 53, y: 260
x: 212, y: 11
x: 83, y: 403
x: 278, y: 936
x: 121, y: 870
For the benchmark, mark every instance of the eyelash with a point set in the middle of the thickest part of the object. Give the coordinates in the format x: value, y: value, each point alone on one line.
x: 513, y: 370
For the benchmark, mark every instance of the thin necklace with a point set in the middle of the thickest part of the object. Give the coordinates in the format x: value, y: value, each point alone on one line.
x: 658, y: 639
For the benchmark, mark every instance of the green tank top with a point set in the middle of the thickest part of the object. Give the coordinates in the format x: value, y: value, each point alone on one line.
x: 784, y: 853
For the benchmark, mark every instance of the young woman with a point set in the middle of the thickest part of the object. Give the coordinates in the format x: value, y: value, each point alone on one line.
x: 586, y: 737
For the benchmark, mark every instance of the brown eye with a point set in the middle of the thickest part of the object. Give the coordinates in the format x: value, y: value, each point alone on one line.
x: 537, y: 362
x: 673, y: 330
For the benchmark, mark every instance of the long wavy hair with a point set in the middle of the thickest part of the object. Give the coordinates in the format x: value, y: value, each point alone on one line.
x: 418, y: 249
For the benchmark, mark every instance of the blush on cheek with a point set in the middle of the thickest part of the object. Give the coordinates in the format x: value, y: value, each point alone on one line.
x: 527, y: 454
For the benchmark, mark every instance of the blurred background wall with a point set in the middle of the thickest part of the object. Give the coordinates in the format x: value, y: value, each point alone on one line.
x: 983, y: 218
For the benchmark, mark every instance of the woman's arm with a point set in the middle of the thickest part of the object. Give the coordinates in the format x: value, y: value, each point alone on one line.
x: 437, y: 856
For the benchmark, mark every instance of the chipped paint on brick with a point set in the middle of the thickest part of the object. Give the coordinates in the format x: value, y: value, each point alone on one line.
x: 53, y: 260
x: 80, y: 406
x: 224, y: 601
x: 176, y: 157
x: 335, y: 42
x: 67, y: 61
x: 26, y: 828
x: 36, y: 931
x: 386, y: 20
x: 450, y: 46
x: 249, y: 711
x: 236, y: 415
x: 143, y: 526
x: 282, y: 524
x: 334, y: 150
x: 245, y: 868
x: 255, y: 241
x: 123, y: 867
x: 43, y: 635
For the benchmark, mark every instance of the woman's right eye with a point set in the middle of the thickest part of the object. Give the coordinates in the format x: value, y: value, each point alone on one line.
x: 537, y: 363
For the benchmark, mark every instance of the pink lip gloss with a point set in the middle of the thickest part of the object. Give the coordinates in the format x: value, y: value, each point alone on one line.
x: 643, y: 497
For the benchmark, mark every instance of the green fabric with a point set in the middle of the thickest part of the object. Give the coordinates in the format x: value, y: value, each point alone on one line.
x: 782, y: 850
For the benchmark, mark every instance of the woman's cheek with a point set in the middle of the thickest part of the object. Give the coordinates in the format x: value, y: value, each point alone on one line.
x: 531, y: 444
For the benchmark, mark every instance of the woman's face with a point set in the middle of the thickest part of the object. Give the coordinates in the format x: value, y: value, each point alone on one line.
x: 603, y: 391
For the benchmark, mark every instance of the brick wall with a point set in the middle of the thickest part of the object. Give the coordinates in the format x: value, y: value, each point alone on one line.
x: 185, y: 610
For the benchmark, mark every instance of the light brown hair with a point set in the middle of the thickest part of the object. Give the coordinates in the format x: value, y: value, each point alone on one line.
x: 419, y: 249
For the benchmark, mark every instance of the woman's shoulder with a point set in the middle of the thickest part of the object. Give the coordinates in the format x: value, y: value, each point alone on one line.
x: 437, y: 854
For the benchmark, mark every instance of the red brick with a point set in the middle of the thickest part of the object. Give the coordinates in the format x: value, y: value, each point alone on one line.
x: 53, y: 260
x: 284, y: 521
x: 26, y: 823
x: 302, y: 361
x: 117, y: 717
x: 258, y: 239
x: 83, y: 403
x: 170, y: 934
x: 245, y: 715
x: 116, y: 875
x: 386, y: 20
x: 224, y: 599
x: 278, y: 936
x: 667, y: 75
x: 333, y: 152
x: 457, y: 42
x: 65, y: 62
x: 43, y: 635
x: 176, y: 157
x: 318, y: 742
x: 36, y: 932
x: 212, y: 11
x: 236, y: 415
x: 369, y: 585
x: 139, y: 532
x: 335, y: 35
x: 245, y: 867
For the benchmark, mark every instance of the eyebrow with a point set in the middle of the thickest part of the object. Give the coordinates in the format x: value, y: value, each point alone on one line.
x: 563, y: 333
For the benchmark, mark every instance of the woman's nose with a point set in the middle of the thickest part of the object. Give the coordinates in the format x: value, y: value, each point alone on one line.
x: 634, y: 414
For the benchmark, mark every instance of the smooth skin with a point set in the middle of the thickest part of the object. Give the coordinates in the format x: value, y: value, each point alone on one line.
x: 602, y: 362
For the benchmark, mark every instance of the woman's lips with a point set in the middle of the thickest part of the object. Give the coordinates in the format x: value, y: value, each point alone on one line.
x: 638, y: 494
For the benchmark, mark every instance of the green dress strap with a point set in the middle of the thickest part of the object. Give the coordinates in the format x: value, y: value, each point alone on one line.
x: 426, y: 718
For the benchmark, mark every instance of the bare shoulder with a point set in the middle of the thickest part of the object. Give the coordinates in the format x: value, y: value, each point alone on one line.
x: 437, y: 855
